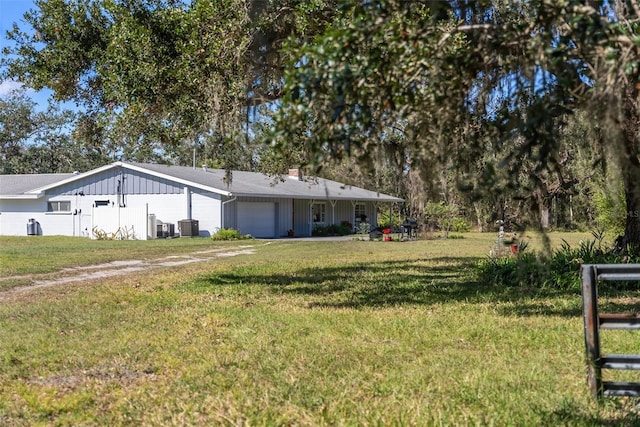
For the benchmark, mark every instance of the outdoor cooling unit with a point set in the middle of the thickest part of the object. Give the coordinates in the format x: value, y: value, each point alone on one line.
x: 188, y: 228
x: 165, y: 230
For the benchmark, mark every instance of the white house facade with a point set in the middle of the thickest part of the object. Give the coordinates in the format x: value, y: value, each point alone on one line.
x: 146, y: 201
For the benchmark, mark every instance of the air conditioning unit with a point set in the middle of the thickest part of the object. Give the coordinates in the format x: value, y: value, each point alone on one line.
x: 165, y: 229
x: 188, y: 228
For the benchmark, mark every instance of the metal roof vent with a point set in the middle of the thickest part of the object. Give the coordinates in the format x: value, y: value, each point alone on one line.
x: 204, y: 168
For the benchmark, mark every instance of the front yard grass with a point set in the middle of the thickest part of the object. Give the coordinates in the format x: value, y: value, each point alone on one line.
x: 46, y: 254
x: 301, y: 333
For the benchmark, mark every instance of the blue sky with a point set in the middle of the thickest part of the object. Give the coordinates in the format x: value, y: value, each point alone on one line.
x: 12, y: 11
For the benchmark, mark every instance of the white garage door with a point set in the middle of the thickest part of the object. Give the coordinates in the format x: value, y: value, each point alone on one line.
x: 257, y: 219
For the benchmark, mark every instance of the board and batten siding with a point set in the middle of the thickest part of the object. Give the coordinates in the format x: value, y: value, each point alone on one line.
x: 230, y: 213
x: 301, y: 217
x: 107, y: 183
x: 284, y: 219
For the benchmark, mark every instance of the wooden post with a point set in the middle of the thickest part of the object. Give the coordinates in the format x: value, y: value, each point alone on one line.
x: 591, y: 326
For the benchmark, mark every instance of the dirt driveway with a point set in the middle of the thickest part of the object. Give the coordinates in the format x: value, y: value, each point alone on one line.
x: 116, y: 268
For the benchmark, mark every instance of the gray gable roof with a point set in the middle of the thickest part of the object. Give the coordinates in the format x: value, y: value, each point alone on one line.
x: 17, y: 185
x: 253, y: 184
x: 243, y: 184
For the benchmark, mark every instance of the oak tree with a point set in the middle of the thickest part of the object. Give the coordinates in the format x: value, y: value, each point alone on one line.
x: 465, y: 79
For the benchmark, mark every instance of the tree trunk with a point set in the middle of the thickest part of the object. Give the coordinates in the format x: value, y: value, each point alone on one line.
x: 542, y: 202
x: 544, y: 216
x: 632, y: 225
x: 630, y: 169
x: 479, y: 221
x: 571, y: 211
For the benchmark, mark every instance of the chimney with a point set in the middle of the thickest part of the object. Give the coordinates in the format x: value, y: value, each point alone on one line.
x: 295, y: 174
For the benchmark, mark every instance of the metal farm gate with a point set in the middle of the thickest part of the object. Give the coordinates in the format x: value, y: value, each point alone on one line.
x: 594, y: 322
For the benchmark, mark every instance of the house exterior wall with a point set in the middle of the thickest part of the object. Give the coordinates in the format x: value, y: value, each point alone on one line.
x: 206, y: 207
x: 284, y: 217
x: 170, y: 208
x: 335, y: 213
x: 169, y: 202
x: 15, y: 214
x: 301, y: 217
x: 118, y: 189
x: 283, y: 214
x: 167, y: 208
x: 122, y: 223
x: 230, y: 213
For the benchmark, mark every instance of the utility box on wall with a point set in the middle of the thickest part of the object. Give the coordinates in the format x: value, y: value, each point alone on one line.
x: 188, y: 228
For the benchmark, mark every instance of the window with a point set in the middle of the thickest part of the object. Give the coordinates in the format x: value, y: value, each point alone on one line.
x: 360, y: 212
x: 319, y: 211
x: 60, y: 206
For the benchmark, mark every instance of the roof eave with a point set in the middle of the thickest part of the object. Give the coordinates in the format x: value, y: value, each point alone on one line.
x: 310, y: 197
x: 29, y: 196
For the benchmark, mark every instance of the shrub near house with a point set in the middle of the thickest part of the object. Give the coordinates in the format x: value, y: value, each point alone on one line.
x: 343, y: 229
x: 229, y: 234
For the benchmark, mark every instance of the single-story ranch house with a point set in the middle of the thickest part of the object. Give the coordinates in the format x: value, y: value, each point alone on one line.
x: 145, y: 201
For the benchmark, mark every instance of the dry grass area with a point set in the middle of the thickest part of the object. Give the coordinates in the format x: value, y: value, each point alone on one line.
x: 296, y: 333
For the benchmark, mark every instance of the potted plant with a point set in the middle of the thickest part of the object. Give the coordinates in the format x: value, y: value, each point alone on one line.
x: 387, y: 234
x: 512, y: 242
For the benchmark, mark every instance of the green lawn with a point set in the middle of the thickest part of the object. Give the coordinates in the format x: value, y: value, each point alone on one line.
x: 297, y: 333
x: 44, y: 254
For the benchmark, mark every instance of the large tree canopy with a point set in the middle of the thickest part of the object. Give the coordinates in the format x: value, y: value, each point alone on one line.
x: 422, y: 93
x: 34, y: 141
x: 159, y: 74
x: 463, y: 79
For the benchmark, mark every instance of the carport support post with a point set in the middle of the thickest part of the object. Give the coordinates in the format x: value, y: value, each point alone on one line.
x: 310, y: 217
x: 333, y: 211
x: 353, y: 214
x: 222, y: 214
x: 591, y: 325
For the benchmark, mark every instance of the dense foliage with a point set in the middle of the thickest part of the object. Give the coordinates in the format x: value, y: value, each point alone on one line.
x: 162, y: 78
x: 33, y: 141
x: 229, y: 234
x: 524, y: 111
x: 555, y: 270
x: 486, y: 89
x: 342, y: 229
